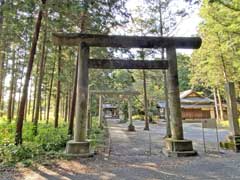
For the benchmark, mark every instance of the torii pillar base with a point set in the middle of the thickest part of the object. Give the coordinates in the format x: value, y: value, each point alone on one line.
x: 79, y: 149
x: 131, y: 127
x: 178, y: 148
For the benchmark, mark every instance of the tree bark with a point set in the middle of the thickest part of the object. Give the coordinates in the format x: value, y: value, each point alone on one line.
x: 14, y: 97
x: 40, y: 80
x: 35, y: 91
x: 29, y: 100
x: 220, y: 105
x: 45, y: 102
x: 66, y: 108
x: 20, y: 89
x: 73, y: 101
x: 216, y: 104
x: 2, y: 55
x: 20, y: 117
x: 168, y: 126
x: 10, y: 100
x: 224, y: 68
x: 50, y: 93
x: 146, y: 119
x: 58, y: 89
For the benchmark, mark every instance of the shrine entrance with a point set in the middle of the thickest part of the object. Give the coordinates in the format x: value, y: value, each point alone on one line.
x: 174, y: 146
x: 124, y: 94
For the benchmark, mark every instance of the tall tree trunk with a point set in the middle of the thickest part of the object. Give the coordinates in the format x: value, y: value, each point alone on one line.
x: 62, y: 106
x: 20, y: 90
x: 66, y: 109
x: 35, y: 91
x: 2, y: 54
x: 58, y: 89
x: 168, y: 125
x: 25, y: 111
x: 14, y: 97
x: 216, y: 104
x: 220, y: 105
x: 45, y: 102
x: 73, y: 101
x: 224, y: 68
x: 69, y: 102
x: 146, y: 119
x: 50, y: 93
x: 20, y: 117
x: 40, y: 80
x: 10, y: 100
x: 30, y: 99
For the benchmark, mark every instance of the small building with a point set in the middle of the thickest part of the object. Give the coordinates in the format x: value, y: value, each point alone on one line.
x: 110, y: 110
x: 194, y: 106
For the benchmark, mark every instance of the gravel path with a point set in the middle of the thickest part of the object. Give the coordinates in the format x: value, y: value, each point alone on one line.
x: 138, y: 156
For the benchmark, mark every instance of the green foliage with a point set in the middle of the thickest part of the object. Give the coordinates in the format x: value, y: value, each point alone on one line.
x: 183, y: 71
x: 217, y: 61
x: 96, y: 134
x: 48, y: 139
x: 138, y: 117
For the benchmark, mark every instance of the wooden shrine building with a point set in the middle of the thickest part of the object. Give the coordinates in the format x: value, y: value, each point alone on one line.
x: 194, y: 106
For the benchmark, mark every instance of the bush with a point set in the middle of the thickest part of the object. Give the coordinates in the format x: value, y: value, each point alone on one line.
x: 52, y: 139
x: 138, y: 117
x: 96, y: 134
x: 49, y: 139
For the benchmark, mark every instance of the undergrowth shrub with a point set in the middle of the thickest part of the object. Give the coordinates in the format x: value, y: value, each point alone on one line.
x: 50, y: 141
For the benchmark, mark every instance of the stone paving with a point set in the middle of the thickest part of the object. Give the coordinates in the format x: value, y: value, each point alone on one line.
x: 138, y: 156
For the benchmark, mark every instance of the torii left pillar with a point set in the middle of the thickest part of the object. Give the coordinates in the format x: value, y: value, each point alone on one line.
x: 80, y: 146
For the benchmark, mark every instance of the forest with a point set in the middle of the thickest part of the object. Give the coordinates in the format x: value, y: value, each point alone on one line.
x: 38, y: 79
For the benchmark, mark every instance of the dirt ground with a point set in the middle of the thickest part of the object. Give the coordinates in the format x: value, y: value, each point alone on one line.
x: 138, y: 156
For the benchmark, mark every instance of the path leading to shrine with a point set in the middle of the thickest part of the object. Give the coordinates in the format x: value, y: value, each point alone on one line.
x: 138, y: 156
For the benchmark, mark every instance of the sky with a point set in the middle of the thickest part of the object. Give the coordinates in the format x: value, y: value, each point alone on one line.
x: 187, y: 28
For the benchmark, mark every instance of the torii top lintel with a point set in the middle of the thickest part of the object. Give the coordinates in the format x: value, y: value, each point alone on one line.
x: 97, y: 40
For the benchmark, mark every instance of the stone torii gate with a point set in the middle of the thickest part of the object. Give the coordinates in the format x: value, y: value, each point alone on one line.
x: 124, y: 93
x: 176, y: 145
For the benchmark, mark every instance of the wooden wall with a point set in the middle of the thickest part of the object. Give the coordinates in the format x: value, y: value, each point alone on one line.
x: 195, y: 114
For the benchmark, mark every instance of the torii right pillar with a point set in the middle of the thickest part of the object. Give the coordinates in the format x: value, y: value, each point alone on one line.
x: 176, y: 146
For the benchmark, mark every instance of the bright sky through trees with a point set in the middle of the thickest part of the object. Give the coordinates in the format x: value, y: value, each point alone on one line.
x: 188, y: 26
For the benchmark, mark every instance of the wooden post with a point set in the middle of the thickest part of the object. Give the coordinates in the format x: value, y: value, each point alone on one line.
x: 100, y: 114
x: 173, y: 94
x: 80, y: 126
x: 232, y: 108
